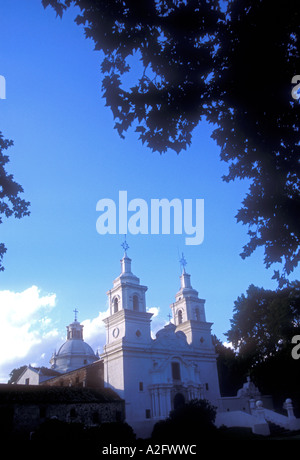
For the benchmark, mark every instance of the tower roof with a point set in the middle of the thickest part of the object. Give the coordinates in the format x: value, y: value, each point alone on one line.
x: 186, y: 288
x: 126, y: 275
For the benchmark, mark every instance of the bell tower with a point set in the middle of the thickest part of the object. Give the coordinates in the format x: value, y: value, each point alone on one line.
x: 189, y: 313
x: 128, y: 319
x: 128, y: 334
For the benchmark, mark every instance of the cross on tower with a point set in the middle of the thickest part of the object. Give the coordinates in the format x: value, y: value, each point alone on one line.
x: 125, y: 245
x: 182, y: 262
x: 169, y: 316
x: 75, y: 311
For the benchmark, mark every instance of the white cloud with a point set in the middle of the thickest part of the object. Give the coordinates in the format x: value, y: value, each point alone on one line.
x: 94, y: 331
x: 29, y: 335
x: 157, y: 322
x: 154, y: 311
x: 24, y: 326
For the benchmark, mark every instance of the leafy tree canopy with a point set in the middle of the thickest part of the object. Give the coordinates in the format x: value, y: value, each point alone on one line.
x: 15, y: 374
x: 10, y: 202
x: 232, y: 370
x: 264, y: 322
x: 230, y: 63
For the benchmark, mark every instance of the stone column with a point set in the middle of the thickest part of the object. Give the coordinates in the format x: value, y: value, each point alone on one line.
x: 154, y: 403
x: 261, y: 427
x: 289, y: 408
x: 252, y: 405
x: 151, y: 403
x: 168, y: 397
x: 293, y: 422
x: 158, y: 402
x: 164, y: 409
x: 260, y: 412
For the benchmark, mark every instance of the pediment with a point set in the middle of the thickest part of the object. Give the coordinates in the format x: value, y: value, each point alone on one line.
x: 169, y: 339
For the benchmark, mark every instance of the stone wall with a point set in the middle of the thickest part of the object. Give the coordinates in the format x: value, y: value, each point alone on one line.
x: 90, y: 376
x: 26, y: 418
x: 23, y: 408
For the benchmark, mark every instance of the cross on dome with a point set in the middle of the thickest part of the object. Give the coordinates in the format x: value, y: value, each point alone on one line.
x: 75, y: 311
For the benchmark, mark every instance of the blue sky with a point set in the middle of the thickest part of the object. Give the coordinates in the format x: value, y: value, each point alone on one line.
x: 67, y: 156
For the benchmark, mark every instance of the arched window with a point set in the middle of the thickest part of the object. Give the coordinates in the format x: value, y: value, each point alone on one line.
x: 116, y: 305
x: 179, y: 316
x: 135, y: 303
x: 197, y: 314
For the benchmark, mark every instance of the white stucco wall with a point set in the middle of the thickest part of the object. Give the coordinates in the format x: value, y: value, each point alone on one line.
x: 30, y: 374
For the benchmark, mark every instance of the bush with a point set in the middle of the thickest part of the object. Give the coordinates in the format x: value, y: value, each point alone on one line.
x: 190, y: 422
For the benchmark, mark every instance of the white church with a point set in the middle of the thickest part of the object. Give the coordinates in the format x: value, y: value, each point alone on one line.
x: 155, y: 375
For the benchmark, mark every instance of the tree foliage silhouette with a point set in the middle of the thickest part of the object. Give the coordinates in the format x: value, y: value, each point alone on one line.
x: 231, y: 65
x: 264, y: 322
x: 10, y: 202
x: 186, y: 423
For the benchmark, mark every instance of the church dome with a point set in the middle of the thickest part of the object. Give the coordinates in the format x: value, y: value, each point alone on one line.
x: 75, y: 352
x: 75, y: 347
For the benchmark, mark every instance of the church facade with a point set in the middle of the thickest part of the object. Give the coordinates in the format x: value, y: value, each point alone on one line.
x: 149, y: 375
x: 153, y: 375
x: 156, y: 375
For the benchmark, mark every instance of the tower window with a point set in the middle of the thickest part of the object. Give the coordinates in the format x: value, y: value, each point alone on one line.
x: 148, y: 413
x: 116, y: 305
x: 135, y: 303
x: 176, y: 371
x: 141, y: 386
x: 197, y: 314
x: 179, y: 316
